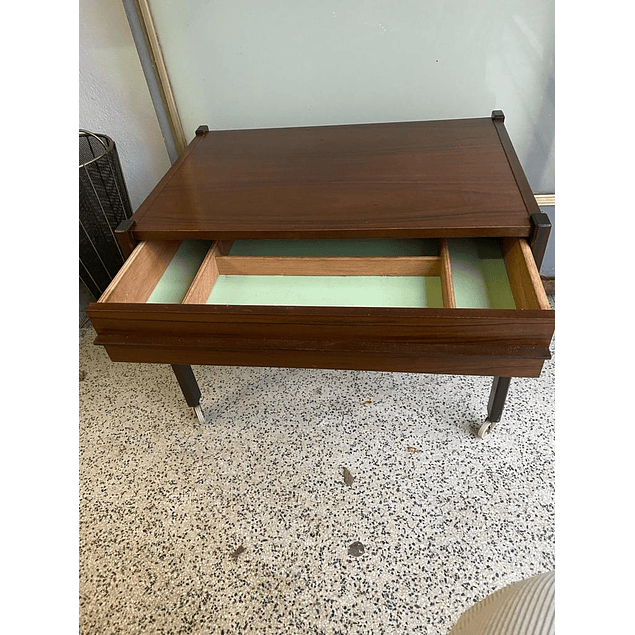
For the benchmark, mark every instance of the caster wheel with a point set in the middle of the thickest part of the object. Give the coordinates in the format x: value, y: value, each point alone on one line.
x: 486, y: 428
x: 199, y: 414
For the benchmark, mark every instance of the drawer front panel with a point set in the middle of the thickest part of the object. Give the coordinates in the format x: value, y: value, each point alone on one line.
x: 458, y: 341
x: 133, y: 326
x: 406, y: 359
x: 429, y: 326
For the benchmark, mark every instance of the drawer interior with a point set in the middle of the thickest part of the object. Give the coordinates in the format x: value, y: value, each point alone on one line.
x: 457, y: 272
x: 345, y: 272
x: 180, y: 272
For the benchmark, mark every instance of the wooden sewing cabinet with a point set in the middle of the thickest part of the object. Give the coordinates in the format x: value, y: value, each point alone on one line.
x: 404, y: 247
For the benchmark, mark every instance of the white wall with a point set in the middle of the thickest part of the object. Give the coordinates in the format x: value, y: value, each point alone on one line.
x: 249, y: 64
x: 114, y: 98
x: 268, y: 63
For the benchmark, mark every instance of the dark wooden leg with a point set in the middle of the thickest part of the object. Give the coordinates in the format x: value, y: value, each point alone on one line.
x: 539, y: 236
x: 123, y: 234
x: 500, y: 386
x: 538, y: 243
x: 191, y: 391
x: 187, y: 381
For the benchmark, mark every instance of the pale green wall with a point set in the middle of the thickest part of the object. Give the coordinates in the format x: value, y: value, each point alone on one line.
x: 268, y: 63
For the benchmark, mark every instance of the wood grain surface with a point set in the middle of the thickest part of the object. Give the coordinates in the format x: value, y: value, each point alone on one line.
x: 409, y: 179
x: 447, y: 286
x: 439, y: 179
x: 330, y: 266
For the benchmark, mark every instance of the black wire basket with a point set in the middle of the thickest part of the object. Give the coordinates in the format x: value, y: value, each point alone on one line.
x: 103, y: 204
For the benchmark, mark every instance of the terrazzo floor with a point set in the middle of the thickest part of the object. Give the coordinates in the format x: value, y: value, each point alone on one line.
x: 250, y: 524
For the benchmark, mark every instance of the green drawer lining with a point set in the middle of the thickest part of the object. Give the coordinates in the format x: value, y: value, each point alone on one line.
x: 478, y: 270
x: 400, y: 291
x: 479, y: 274
x: 180, y: 273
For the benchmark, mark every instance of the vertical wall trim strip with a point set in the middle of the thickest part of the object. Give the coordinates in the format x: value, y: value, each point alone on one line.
x: 152, y: 81
x: 161, y: 73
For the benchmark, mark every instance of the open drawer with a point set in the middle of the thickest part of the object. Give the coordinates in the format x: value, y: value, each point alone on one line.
x: 457, y: 305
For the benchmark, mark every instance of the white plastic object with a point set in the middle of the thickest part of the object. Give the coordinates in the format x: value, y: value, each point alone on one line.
x: 486, y: 428
x: 199, y: 414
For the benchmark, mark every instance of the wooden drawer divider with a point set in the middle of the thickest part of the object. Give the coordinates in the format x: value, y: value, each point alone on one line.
x: 218, y: 262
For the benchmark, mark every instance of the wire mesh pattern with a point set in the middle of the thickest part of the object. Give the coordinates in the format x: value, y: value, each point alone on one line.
x: 103, y: 204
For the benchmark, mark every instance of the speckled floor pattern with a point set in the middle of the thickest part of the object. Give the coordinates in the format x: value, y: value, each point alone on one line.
x: 249, y: 524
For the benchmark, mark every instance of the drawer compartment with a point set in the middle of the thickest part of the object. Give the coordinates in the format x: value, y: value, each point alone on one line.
x: 362, y: 272
x: 469, y: 306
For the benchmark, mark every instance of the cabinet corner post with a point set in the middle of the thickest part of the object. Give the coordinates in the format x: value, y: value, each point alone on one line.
x: 541, y: 228
x: 123, y: 234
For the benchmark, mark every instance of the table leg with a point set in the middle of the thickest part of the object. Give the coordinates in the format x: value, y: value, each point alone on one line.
x: 500, y: 386
x: 191, y: 391
x: 497, y: 397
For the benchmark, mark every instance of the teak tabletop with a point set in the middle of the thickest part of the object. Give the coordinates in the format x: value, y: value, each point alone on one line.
x: 411, y: 179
